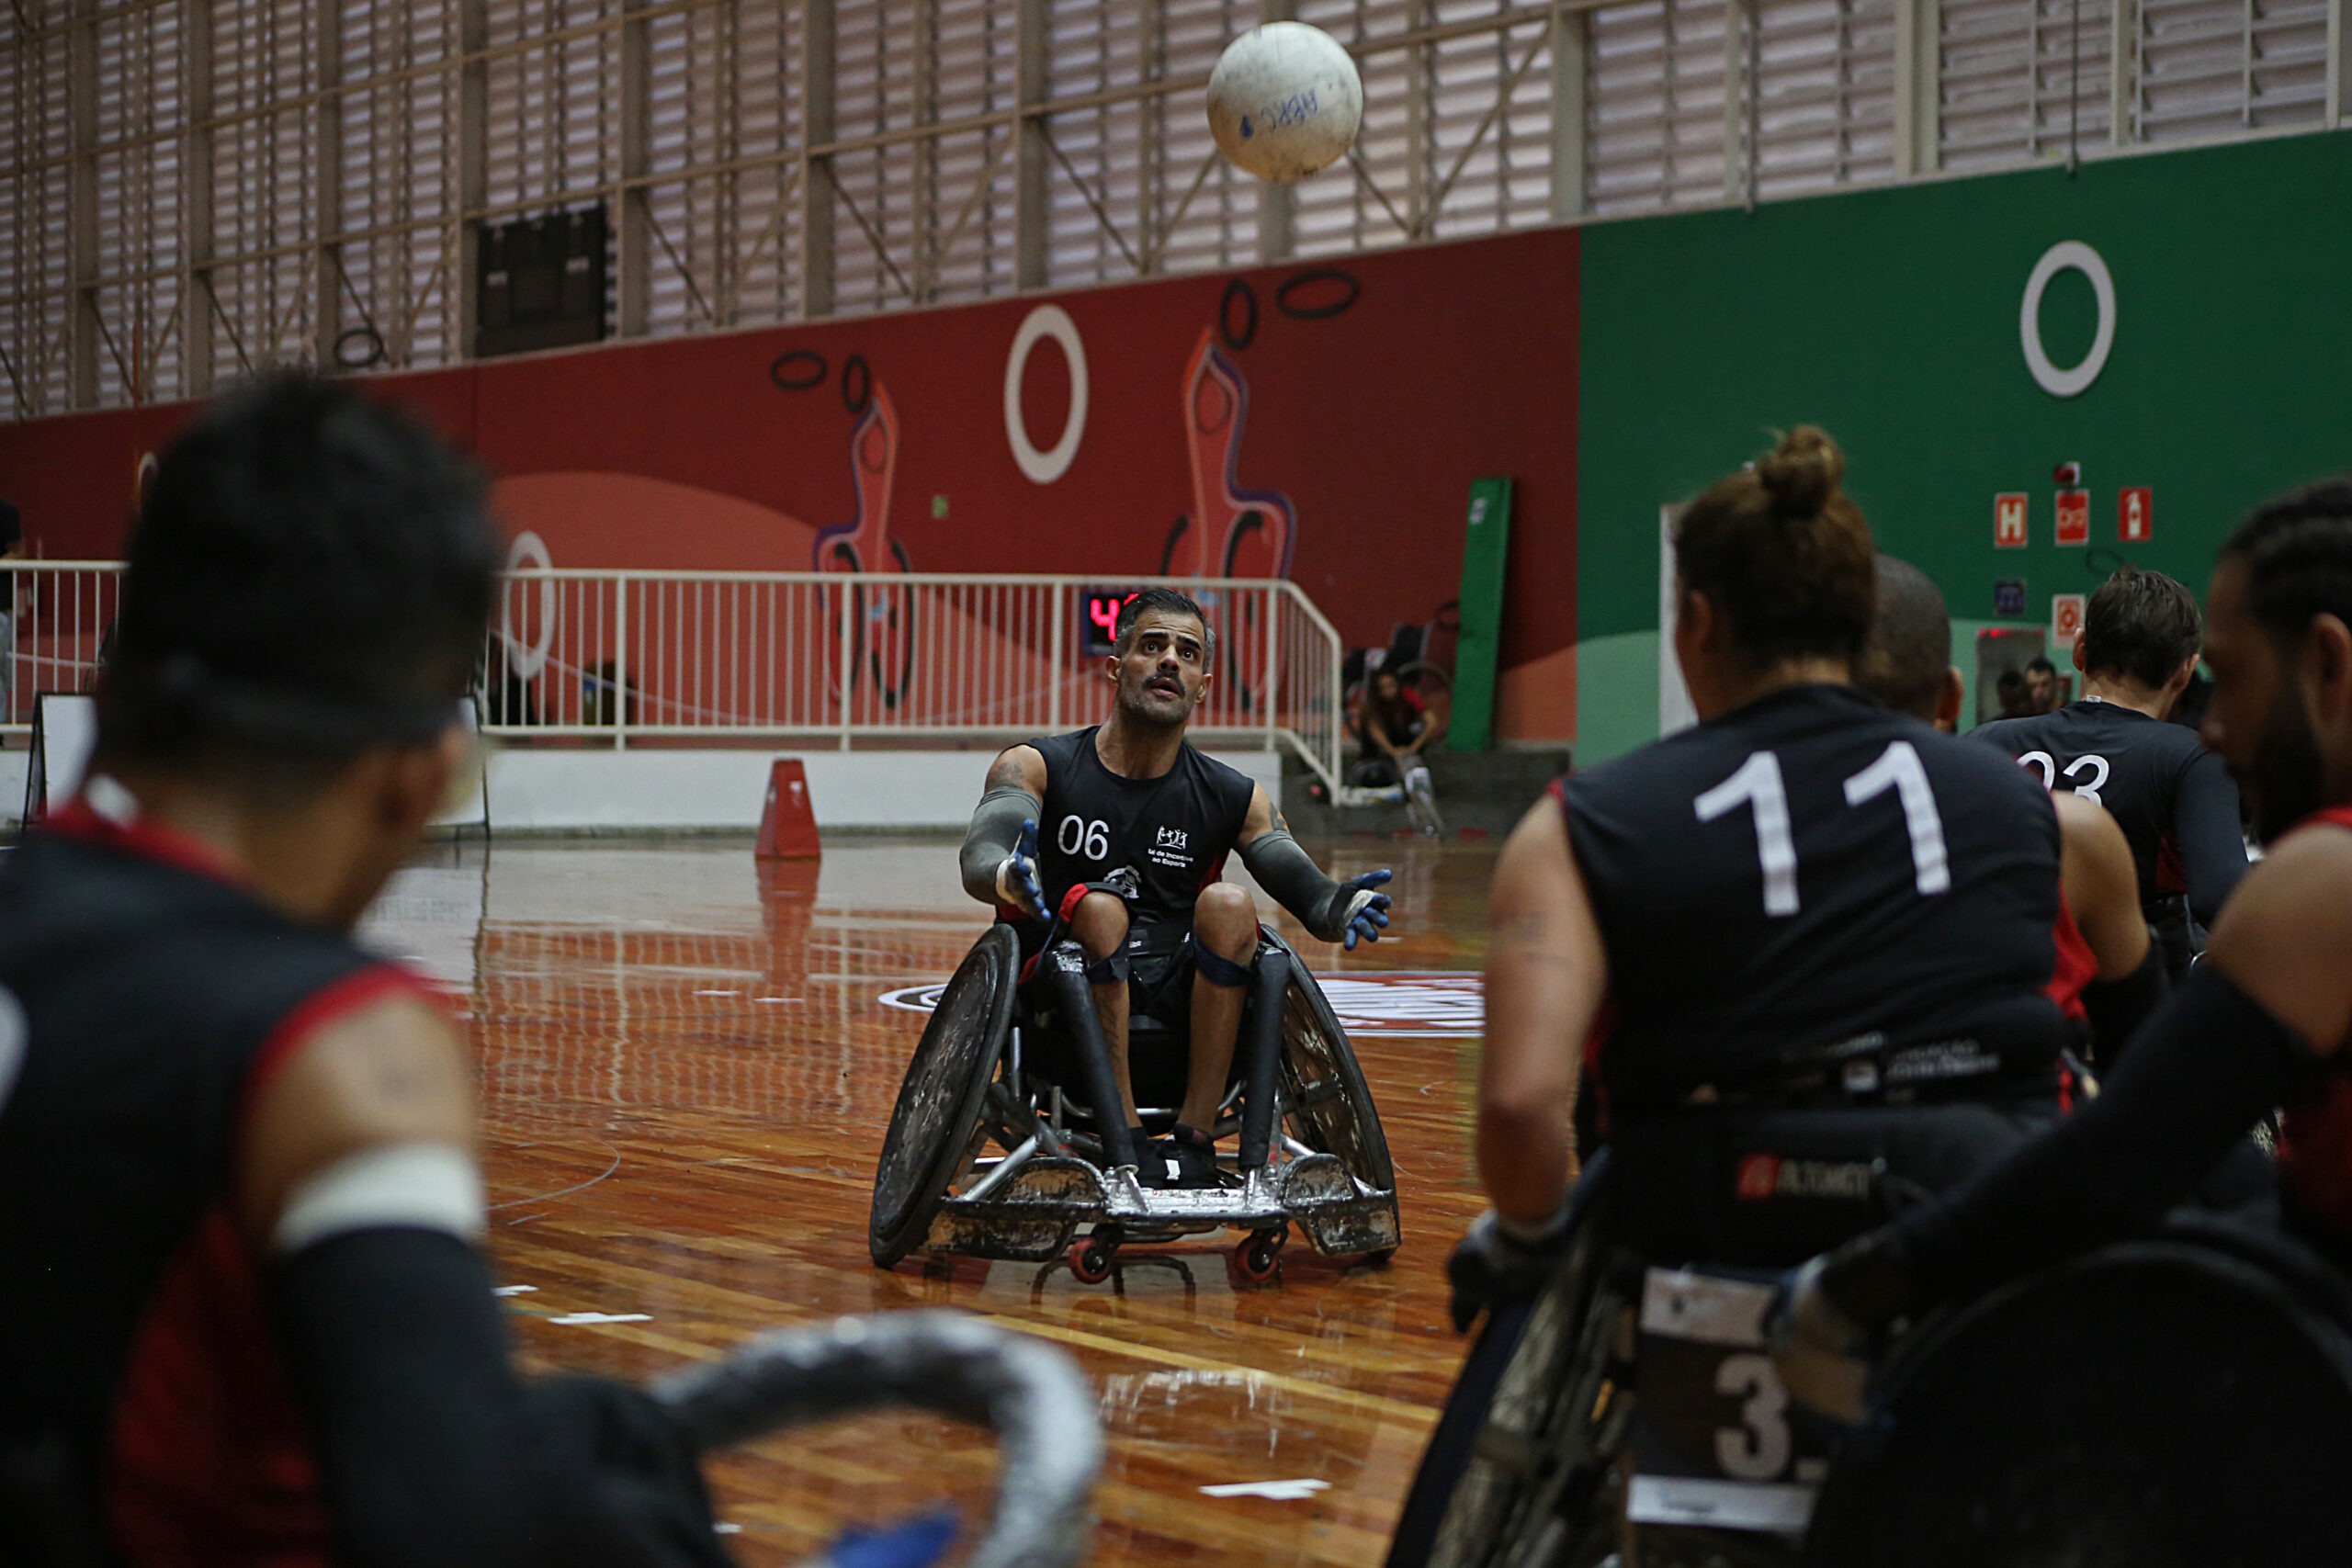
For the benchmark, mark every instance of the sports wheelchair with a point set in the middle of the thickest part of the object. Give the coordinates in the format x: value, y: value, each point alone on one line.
x: 2174, y: 1401
x: 995, y: 1148
x: 1629, y: 1412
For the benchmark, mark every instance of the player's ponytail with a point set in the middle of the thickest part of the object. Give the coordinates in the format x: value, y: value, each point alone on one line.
x: 1781, y: 550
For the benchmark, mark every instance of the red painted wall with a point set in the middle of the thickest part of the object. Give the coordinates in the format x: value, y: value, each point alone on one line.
x: 1452, y: 362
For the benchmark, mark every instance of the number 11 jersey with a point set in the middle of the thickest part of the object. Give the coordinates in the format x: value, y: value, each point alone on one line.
x: 1808, y: 870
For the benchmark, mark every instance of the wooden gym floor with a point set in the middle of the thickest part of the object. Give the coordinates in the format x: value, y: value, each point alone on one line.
x: 687, y: 1061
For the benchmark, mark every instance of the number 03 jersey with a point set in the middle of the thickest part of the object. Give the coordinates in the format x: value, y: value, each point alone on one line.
x: 1807, y: 870
x: 1170, y: 835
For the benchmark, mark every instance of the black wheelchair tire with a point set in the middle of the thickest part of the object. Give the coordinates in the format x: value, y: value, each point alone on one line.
x: 1330, y: 1111
x: 943, y: 1095
x: 1532, y: 1489
x: 2235, y: 1414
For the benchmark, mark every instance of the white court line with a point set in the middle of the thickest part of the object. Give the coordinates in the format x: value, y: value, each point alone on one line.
x: 574, y: 1319
x: 1278, y: 1491
x: 513, y: 1289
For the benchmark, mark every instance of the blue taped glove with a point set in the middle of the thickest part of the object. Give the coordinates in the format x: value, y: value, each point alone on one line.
x: 1367, y: 914
x: 1017, y: 879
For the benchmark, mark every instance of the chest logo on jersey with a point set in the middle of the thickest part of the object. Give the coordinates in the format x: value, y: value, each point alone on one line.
x: 1172, y: 848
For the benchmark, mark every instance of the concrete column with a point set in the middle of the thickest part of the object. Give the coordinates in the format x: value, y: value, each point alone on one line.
x: 1277, y: 204
x: 816, y: 169
x: 634, y: 251
x: 1918, y: 77
x: 195, y: 197
x: 1571, y: 32
x: 82, y: 341
x: 326, y: 134
x: 1032, y: 54
x: 473, y: 169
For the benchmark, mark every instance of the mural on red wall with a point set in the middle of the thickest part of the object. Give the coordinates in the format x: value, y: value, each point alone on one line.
x: 1317, y: 421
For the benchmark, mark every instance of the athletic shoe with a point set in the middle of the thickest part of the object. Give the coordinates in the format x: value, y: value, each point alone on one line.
x: 1187, y: 1159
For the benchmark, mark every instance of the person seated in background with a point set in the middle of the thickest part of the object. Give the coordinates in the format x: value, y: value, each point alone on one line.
x: 2044, y: 689
x: 2172, y: 797
x: 2260, y: 1023
x: 246, y: 1315
x: 2110, y: 973
x: 1394, y: 727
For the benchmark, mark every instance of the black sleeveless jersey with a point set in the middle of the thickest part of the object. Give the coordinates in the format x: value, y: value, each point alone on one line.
x: 142, y: 999
x: 1170, y: 835
x: 2175, y: 801
x: 1809, y: 870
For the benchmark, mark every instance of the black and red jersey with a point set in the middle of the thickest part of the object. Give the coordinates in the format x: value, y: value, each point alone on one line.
x: 2315, y: 1131
x: 1167, y: 837
x: 1807, y: 871
x: 2173, y: 798
x: 142, y: 1403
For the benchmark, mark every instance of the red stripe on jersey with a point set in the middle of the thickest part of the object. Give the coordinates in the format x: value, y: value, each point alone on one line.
x: 209, y: 1461
x: 2076, y: 964
x: 325, y: 1006
x: 141, y: 837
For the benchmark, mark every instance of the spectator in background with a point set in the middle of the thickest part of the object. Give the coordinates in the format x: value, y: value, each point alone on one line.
x: 2016, y: 701
x: 1394, y: 727
x: 2044, y: 692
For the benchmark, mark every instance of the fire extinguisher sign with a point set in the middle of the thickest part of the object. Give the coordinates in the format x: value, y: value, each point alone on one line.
x: 2135, y: 515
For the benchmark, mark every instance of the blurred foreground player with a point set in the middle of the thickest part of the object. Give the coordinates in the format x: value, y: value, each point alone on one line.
x: 2110, y: 976
x: 2260, y: 1023
x: 2173, y: 798
x: 1136, y: 828
x: 244, y: 1317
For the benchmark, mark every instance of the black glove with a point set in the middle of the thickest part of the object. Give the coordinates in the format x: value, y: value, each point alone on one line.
x: 1501, y: 1262
x: 1826, y: 1324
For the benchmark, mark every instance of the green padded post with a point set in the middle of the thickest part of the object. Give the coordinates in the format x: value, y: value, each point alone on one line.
x: 1476, y: 650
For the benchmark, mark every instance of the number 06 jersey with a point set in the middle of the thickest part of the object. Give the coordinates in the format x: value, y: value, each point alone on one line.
x: 1809, y: 870
x: 1170, y: 835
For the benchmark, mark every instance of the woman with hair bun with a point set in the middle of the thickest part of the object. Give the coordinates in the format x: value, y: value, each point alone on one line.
x: 1799, y: 949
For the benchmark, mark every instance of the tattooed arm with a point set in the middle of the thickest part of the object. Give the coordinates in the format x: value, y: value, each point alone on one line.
x: 1546, y: 973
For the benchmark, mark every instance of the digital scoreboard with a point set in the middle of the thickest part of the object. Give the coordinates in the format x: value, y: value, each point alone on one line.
x: 1100, y: 608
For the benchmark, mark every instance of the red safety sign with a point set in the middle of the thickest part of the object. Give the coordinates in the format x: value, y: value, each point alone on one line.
x: 2135, y: 515
x: 2008, y: 521
x: 2065, y: 621
x: 2073, y: 517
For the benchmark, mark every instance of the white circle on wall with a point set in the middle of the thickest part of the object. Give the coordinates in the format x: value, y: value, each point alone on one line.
x: 525, y: 663
x: 1044, y: 467
x: 2065, y: 255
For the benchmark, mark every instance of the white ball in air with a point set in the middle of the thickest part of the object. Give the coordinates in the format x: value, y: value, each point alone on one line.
x: 1284, y: 101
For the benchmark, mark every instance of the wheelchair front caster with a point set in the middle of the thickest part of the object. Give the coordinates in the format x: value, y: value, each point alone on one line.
x: 1257, y: 1255
x: 1090, y: 1259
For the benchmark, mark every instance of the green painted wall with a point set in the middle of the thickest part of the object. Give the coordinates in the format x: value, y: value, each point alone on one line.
x: 1891, y: 318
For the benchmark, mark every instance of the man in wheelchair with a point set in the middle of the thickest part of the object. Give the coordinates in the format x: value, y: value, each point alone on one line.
x: 1804, y: 947
x: 1113, y: 837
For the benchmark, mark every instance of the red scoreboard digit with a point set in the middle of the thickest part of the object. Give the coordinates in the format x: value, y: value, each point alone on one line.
x: 1101, y: 607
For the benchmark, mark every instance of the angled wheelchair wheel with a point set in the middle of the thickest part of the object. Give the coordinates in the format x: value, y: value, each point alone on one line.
x: 937, y: 1121
x: 2181, y: 1401
x: 1535, y: 1491
x: 1326, y: 1104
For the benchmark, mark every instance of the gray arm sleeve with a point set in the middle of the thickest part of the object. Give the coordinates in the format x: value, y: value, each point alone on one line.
x: 1290, y: 875
x: 995, y: 833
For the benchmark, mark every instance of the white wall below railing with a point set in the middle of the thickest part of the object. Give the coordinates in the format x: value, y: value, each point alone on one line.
x: 658, y: 791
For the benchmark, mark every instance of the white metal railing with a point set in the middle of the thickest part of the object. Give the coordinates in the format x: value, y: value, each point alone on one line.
x: 841, y: 657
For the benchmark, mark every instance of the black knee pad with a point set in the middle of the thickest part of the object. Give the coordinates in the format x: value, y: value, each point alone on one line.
x: 1217, y: 969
